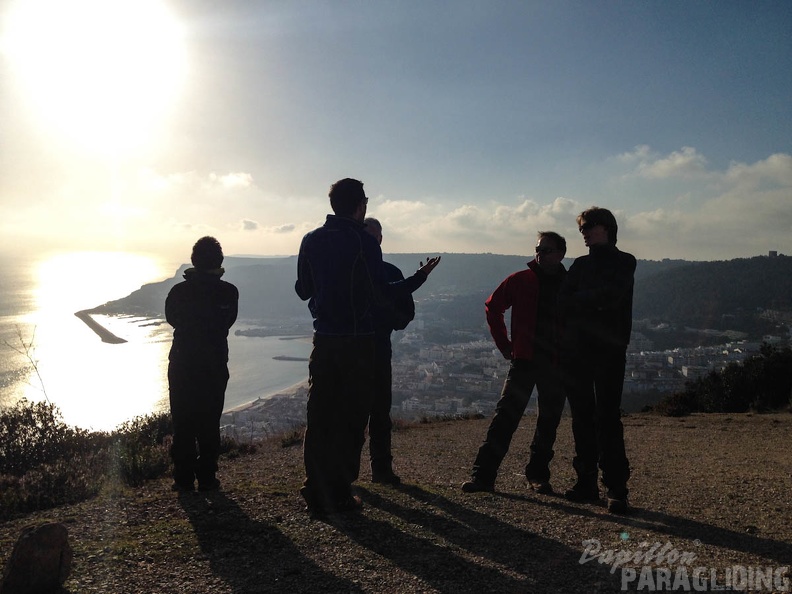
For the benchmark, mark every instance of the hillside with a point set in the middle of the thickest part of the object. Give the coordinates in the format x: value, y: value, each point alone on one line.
x: 724, y: 295
x: 713, y: 486
x: 702, y: 293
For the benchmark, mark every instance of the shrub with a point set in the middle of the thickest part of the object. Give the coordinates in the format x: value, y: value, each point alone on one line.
x: 43, y: 462
x: 760, y: 383
x: 140, y: 450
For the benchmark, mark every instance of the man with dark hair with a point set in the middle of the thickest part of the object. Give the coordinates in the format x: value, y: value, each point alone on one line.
x: 201, y: 310
x: 596, y: 299
x: 340, y: 272
x: 533, y: 352
x: 388, y: 317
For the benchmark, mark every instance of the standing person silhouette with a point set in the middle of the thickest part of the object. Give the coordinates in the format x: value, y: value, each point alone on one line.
x: 394, y: 315
x: 533, y: 352
x: 596, y: 299
x: 341, y: 275
x: 201, y: 309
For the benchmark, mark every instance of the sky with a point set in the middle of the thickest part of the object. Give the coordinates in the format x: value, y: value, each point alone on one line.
x: 142, y: 125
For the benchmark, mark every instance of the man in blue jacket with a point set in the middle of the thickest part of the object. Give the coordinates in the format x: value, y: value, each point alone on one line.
x: 341, y: 274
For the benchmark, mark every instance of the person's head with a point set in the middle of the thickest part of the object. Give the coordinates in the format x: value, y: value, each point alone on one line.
x: 207, y: 254
x: 373, y: 228
x: 550, y: 250
x: 347, y: 199
x: 598, y: 226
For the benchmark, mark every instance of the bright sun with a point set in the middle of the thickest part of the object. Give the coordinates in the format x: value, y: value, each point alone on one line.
x: 101, y: 72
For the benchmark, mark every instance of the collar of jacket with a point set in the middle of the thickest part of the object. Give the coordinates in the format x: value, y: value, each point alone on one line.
x: 199, y: 274
x: 339, y: 221
x: 534, y: 265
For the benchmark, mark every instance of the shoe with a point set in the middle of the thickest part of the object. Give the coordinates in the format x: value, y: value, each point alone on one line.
x: 211, y: 485
x: 182, y: 487
x: 386, y: 478
x: 580, y: 493
x: 476, y: 487
x: 619, y: 506
x: 541, y: 487
x: 348, y: 504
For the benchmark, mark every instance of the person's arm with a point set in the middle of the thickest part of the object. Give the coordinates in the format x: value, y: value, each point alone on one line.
x: 401, y: 311
x: 304, y: 287
x: 233, y: 307
x: 494, y: 307
x: 174, y: 308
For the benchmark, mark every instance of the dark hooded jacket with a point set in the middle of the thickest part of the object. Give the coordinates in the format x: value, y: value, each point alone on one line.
x: 201, y: 309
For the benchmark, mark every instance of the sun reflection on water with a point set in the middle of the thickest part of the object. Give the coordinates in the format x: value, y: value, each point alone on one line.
x: 97, y: 385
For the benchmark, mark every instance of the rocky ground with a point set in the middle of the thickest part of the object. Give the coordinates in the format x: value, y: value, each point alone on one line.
x: 710, y: 491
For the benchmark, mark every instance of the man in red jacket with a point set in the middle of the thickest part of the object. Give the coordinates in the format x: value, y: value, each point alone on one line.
x: 534, y: 354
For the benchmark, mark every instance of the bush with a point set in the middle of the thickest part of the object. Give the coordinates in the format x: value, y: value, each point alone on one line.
x: 760, y: 383
x: 43, y: 462
x: 140, y: 450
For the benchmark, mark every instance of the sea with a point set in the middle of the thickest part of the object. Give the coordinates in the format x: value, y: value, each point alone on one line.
x: 49, y: 354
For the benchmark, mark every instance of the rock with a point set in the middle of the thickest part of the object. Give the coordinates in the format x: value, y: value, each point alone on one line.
x: 40, y: 562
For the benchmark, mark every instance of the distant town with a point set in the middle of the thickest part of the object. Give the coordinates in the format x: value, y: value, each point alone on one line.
x: 465, y: 378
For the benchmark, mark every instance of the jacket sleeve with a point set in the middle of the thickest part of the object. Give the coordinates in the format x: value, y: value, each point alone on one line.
x: 402, y: 309
x: 304, y: 287
x: 494, y: 307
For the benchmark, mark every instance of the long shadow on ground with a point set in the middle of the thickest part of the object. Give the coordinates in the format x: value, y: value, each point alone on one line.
x: 518, y: 560
x: 670, y: 525
x: 271, y: 562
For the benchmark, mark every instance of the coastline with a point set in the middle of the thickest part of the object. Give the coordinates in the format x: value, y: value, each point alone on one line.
x: 253, y: 405
x: 101, y: 331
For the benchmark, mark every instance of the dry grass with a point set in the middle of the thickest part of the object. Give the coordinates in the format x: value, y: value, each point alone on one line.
x: 716, y: 486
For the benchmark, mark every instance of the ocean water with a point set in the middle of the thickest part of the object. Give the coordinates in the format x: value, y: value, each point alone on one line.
x: 97, y: 385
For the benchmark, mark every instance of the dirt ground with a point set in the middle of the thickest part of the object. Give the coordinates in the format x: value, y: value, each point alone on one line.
x: 710, y: 492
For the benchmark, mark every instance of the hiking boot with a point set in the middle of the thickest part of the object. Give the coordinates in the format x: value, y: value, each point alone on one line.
x: 580, y: 493
x: 348, y: 504
x: 619, y: 505
x: 541, y: 487
x: 386, y: 478
x: 182, y: 487
x: 477, y: 487
x: 210, y: 485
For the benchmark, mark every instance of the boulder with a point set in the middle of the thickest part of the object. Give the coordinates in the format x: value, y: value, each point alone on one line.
x: 40, y: 562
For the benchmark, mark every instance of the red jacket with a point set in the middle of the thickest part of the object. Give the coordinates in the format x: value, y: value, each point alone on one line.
x: 520, y: 292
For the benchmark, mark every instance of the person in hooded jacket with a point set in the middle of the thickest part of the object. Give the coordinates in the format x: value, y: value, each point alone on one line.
x: 201, y: 309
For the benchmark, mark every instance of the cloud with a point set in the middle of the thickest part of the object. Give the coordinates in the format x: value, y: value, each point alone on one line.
x: 739, y: 212
x: 686, y: 163
x: 232, y: 180
x: 248, y: 225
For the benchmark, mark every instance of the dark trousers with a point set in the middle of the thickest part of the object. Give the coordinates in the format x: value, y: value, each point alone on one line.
x: 523, y: 376
x: 380, y: 424
x: 341, y: 378
x: 197, y: 394
x: 595, y: 391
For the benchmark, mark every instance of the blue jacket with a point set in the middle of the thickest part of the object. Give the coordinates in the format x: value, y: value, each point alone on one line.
x: 341, y: 273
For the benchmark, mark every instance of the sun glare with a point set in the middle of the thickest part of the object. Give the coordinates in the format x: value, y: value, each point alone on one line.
x: 103, y: 73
